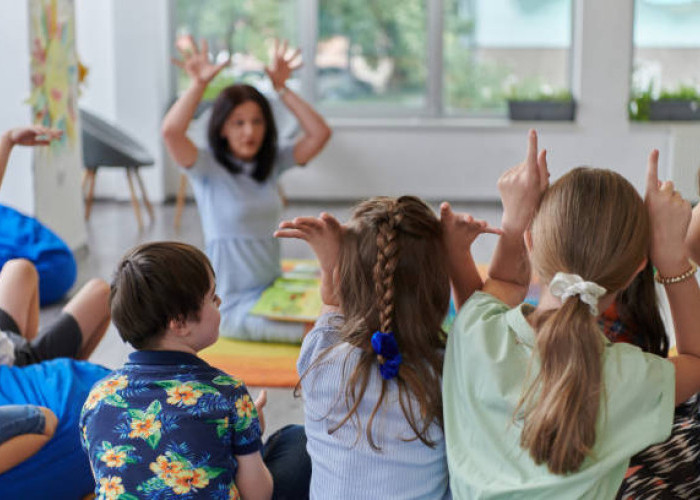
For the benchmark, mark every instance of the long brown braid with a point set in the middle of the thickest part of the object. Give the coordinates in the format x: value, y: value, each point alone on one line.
x: 387, y: 260
x: 393, y: 278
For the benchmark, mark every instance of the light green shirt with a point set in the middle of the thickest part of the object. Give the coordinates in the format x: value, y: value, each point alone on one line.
x: 486, y: 365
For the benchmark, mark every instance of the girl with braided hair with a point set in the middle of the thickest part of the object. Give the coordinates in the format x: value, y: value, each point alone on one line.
x: 371, y: 367
x: 537, y: 402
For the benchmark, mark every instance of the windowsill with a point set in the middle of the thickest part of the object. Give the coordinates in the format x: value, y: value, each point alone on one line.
x: 454, y: 123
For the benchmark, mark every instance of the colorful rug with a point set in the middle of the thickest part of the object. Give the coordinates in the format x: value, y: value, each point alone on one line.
x: 256, y: 363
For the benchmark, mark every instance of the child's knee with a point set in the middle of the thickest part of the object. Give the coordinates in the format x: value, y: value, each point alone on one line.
x: 21, y: 269
x: 98, y: 290
x: 51, y: 421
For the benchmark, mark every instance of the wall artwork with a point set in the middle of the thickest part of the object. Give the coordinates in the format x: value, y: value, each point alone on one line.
x: 54, y: 67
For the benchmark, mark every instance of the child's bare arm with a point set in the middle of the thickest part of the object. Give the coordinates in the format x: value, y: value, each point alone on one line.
x: 323, y: 234
x: 692, y: 239
x: 670, y: 216
x: 459, y: 232
x: 521, y: 190
x: 16, y: 450
x: 253, y: 480
x: 34, y: 135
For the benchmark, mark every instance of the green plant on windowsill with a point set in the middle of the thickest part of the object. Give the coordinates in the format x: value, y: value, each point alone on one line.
x: 540, y: 95
x: 642, y: 102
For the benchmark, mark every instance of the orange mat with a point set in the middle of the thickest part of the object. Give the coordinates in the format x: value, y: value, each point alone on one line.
x: 256, y: 363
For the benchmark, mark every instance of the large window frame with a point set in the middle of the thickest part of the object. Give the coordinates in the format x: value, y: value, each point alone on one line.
x: 434, y: 106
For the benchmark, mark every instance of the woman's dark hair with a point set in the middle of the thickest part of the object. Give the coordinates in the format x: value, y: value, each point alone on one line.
x: 155, y: 283
x: 228, y: 99
x: 638, y: 309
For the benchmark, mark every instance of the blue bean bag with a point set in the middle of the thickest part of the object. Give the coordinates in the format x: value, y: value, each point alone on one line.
x: 24, y: 237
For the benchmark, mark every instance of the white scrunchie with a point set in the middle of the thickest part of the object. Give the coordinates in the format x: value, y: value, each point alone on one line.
x: 565, y: 285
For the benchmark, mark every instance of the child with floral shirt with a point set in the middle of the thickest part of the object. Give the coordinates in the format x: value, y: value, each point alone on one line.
x: 167, y: 424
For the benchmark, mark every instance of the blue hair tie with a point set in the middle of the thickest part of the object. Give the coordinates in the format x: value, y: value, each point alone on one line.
x: 384, y: 344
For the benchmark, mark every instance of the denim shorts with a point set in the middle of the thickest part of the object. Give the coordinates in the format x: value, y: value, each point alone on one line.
x: 16, y: 420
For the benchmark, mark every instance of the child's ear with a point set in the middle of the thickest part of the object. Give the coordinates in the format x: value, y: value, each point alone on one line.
x: 179, y: 327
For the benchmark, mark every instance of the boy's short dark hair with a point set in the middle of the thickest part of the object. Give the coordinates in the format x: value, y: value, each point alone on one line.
x: 155, y: 283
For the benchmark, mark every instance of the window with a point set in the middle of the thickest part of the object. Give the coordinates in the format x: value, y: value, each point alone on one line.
x: 666, y: 51
x: 241, y: 30
x: 371, y: 52
x: 379, y: 58
x: 499, y: 48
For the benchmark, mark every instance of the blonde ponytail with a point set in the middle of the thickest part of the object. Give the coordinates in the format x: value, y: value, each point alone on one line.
x: 560, y: 408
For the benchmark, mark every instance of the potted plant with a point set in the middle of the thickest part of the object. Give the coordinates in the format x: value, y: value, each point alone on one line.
x: 542, y: 105
x: 681, y: 104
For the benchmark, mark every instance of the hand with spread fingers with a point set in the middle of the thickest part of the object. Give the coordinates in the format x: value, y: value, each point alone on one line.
x: 33, y: 135
x: 670, y: 216
x: 459, y: 230
x: 323, y: 234
x: 522, y: 187
x: 282, y: 65
x: 195, y: 61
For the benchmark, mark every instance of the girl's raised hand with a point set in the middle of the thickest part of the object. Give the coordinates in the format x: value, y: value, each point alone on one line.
x: 322, y: 233
x: 282, y: 64
x: 522, y: 188
x: 460, y: 230
x: 195, y: 62
x: 670, y: 216
x: 34, y: 135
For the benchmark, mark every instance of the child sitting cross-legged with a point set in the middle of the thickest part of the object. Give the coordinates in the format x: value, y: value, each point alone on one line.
x: 168, y: 424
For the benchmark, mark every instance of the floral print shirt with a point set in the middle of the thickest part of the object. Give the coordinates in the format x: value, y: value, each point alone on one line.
x: 168, y: 425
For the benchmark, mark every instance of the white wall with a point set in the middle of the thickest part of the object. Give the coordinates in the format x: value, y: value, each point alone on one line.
x: 126, y: 45
x: 17, y: 187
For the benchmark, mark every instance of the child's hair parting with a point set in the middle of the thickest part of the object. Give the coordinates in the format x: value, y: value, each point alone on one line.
x: 592, y: 223
x: 393, y: 278
x: 155, y: 283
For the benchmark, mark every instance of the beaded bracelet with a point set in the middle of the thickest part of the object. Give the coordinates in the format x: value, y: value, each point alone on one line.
x: 676, y: 279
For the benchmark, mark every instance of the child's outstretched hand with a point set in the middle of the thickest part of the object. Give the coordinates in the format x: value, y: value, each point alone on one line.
x: 260, y: 403
x: 323, y: 234
x: 670, y: 216
x: 459, y: 230
x: 522, y: 188
x: 33, y: 135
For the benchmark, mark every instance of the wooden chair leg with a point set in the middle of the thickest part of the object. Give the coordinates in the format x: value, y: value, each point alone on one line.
x: 90, y: 179
x: 283, y: 196
x: 180, y: 200
x: 144, y: 195
x: 134, y: 200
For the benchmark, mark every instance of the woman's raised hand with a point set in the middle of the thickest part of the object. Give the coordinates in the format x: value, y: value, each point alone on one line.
x: 459, y: 230
x: 522, y: 187
x: 195, y: 61
x: 282, y: 64
x: 670, y: 216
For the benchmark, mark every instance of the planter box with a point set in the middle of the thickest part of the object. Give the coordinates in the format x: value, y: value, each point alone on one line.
x: 674, y: 109
x: 542, y: 110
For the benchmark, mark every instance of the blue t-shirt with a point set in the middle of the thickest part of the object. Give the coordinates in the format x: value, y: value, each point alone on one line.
x: 239, y: 216
x: 168, y: 425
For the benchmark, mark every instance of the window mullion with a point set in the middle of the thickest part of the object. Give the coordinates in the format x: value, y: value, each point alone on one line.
x: 434, y: 55
x: 308, y: 37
